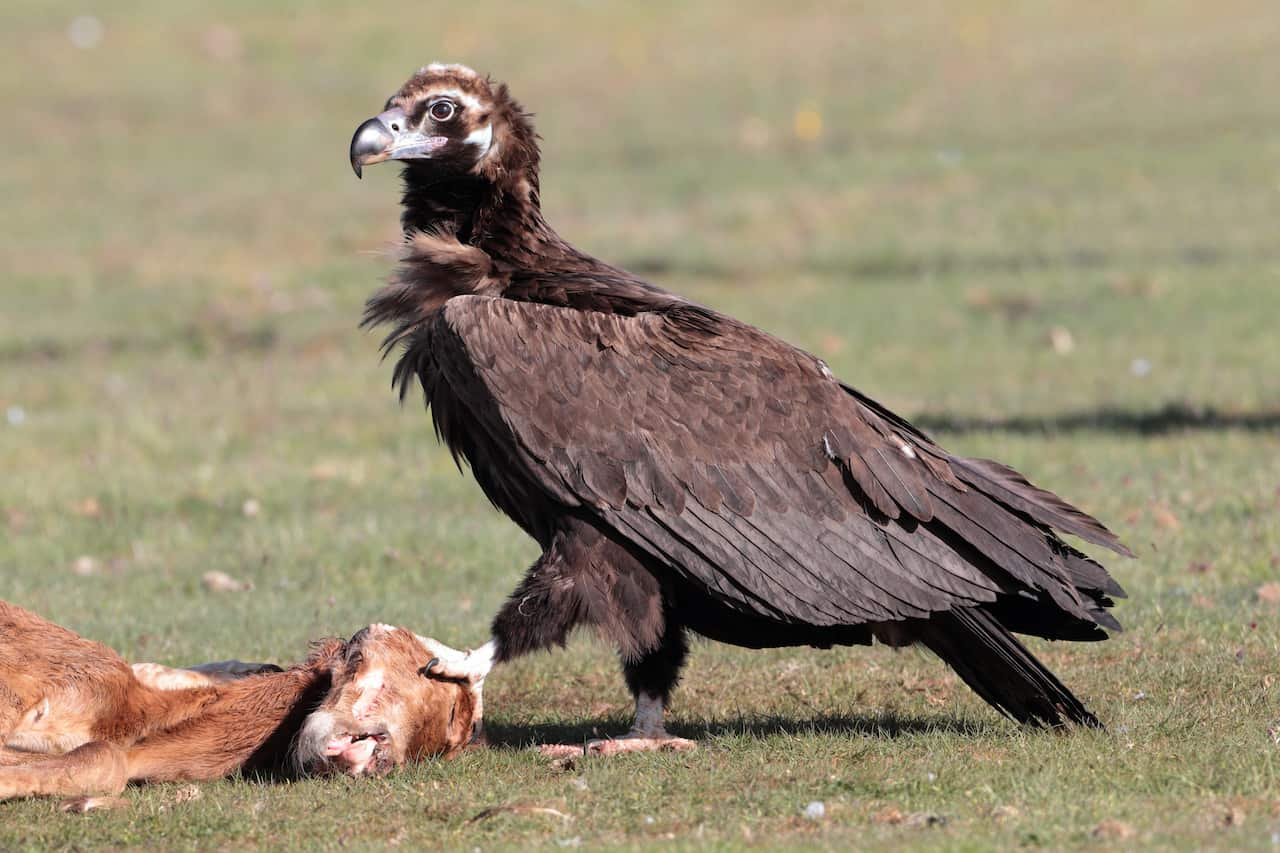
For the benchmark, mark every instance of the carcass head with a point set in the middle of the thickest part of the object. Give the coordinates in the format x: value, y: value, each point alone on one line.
x: 383, y: 710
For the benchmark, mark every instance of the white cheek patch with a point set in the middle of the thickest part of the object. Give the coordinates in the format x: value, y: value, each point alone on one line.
x: 482, y: 139
x: 369, y: 685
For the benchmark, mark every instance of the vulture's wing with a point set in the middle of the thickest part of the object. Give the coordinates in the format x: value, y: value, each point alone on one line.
x: 740, y: 463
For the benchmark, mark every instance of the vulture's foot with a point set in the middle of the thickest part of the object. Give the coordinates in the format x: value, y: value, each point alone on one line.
x: 647, y: 735
x: 640, y: 742
x: 631, y: 742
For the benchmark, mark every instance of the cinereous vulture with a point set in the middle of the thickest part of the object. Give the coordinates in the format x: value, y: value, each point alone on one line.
x: 684, y: 471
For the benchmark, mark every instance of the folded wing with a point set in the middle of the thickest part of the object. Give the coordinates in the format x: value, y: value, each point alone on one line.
x: 739, y: 463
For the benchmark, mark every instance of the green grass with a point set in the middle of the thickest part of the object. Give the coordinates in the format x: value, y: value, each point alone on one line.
x: 184, y: 262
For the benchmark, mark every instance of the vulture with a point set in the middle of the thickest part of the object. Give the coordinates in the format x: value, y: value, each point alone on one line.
x: 683, y: 471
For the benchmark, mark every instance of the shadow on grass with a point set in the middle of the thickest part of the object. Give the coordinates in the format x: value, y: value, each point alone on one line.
x: 886, y: 725
x: 1172, y: 417
x: 894, y: 265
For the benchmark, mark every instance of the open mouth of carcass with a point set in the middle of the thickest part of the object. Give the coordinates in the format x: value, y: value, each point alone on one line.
x: 356, y: 754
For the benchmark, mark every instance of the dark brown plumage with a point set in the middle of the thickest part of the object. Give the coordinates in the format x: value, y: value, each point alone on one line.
x: 683, y: 470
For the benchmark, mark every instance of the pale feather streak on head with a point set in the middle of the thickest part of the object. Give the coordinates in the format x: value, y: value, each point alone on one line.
x: 482, y: 138
x: 457, y: 95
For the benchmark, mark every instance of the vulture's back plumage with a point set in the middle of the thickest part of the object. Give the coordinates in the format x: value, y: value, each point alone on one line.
x: 682, y: 469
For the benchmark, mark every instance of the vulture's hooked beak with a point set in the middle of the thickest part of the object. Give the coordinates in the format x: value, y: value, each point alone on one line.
x: 388, y: 136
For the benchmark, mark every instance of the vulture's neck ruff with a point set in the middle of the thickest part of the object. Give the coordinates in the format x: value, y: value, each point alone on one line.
x: 502, y: 217
x: 481, y: 186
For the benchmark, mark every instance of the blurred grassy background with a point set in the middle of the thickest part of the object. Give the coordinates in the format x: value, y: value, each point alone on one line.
x: 1047, y: 230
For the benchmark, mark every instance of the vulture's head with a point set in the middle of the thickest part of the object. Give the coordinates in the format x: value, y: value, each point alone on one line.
x: 447, y: 121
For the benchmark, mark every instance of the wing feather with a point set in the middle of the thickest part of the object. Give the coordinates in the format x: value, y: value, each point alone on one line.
x: 1013, y: 490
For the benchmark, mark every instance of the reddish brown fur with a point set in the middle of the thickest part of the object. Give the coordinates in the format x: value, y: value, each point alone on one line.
x: 75, y: 719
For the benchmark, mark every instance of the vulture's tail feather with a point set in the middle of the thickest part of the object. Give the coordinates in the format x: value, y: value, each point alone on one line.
x: 1000, y: 669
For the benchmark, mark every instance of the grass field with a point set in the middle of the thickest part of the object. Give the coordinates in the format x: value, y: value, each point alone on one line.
x: 1046, y: 230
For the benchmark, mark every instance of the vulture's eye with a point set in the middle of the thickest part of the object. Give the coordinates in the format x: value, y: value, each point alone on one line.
x: 442, y: 110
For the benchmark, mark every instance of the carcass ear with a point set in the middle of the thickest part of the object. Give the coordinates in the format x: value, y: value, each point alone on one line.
x: 464, y: 721
x: 325, y: 651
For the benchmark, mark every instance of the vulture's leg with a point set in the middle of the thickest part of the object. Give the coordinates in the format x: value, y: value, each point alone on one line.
x: 544, y: 608
x: 585, y: 578
x: 651, y: 677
